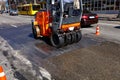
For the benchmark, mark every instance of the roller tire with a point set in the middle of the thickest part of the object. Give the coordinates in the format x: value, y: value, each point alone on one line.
x: 57, y: 40
x: 73, y: 35
x: 65, y: 40
x: 68, y: 38
x: 78, y: 36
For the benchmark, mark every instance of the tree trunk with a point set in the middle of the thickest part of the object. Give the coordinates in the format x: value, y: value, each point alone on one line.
x: 118, y: 15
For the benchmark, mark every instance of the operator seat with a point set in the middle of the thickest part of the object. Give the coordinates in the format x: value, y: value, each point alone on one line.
x: 68, y: 9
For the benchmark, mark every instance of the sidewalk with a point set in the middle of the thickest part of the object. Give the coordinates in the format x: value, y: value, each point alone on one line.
x: 108, y: 17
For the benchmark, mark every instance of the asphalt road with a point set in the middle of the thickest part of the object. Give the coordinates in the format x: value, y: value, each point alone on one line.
x: 93, y: 58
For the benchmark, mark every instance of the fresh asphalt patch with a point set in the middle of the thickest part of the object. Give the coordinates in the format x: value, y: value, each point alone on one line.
x: 98, y: 62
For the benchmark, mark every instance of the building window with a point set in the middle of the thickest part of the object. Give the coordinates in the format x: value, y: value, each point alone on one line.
x: 117, y: 5
x: 101, y: 5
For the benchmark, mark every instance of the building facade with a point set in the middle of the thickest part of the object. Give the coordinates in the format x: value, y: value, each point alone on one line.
x: 102, y: 6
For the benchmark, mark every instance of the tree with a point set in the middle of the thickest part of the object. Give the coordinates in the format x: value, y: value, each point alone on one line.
x: 118, y: 15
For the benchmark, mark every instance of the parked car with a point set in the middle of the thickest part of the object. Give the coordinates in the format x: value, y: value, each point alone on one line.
x: 13, y: 12
x: 6, y: 11
x: 89, y: 18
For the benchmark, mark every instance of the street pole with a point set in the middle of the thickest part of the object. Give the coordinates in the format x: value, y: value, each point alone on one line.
x: 34, y: 1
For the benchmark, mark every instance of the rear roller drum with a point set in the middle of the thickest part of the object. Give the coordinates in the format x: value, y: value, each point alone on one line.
x: 78, y: 36
x: 73, y: 37
x: 68, y: 38
x: 57, y: 40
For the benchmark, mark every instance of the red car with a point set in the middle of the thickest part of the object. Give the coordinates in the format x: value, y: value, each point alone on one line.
x: 88, y: 18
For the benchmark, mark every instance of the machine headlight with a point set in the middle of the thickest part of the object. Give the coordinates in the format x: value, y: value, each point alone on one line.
x: 71, y: 28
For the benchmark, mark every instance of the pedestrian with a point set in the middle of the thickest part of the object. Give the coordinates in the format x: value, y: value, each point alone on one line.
x: 76, y: 4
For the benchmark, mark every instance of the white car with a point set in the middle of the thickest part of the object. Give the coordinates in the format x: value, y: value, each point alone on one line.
x: 13, y: 12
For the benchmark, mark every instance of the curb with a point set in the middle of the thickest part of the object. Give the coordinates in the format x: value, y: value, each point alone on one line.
x: 4, y: 51
x: 109, y: 19
x: 18, y: 67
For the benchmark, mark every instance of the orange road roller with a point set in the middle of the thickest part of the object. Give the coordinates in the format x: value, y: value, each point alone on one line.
x: 59, y: 21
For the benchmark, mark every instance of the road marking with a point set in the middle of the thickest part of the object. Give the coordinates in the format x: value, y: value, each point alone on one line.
x: 22, y: 58
x: 45, y: 73
x: 14, y: 26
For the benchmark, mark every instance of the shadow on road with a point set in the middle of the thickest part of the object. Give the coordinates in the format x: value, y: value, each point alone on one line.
x: 44, y: 39
x: 89, y: 26
x: 31, y: 35
x: 19, y: 76
x: 118, y: 27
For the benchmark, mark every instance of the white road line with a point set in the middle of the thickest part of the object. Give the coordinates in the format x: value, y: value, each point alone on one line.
x: 14, y: 26
x: 22, y: 58
x: 45, y: 73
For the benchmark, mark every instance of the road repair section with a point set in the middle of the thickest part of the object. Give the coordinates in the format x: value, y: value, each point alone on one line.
x: 93, y: 58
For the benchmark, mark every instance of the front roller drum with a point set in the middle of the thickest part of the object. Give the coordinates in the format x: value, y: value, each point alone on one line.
x: 57, y: 40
